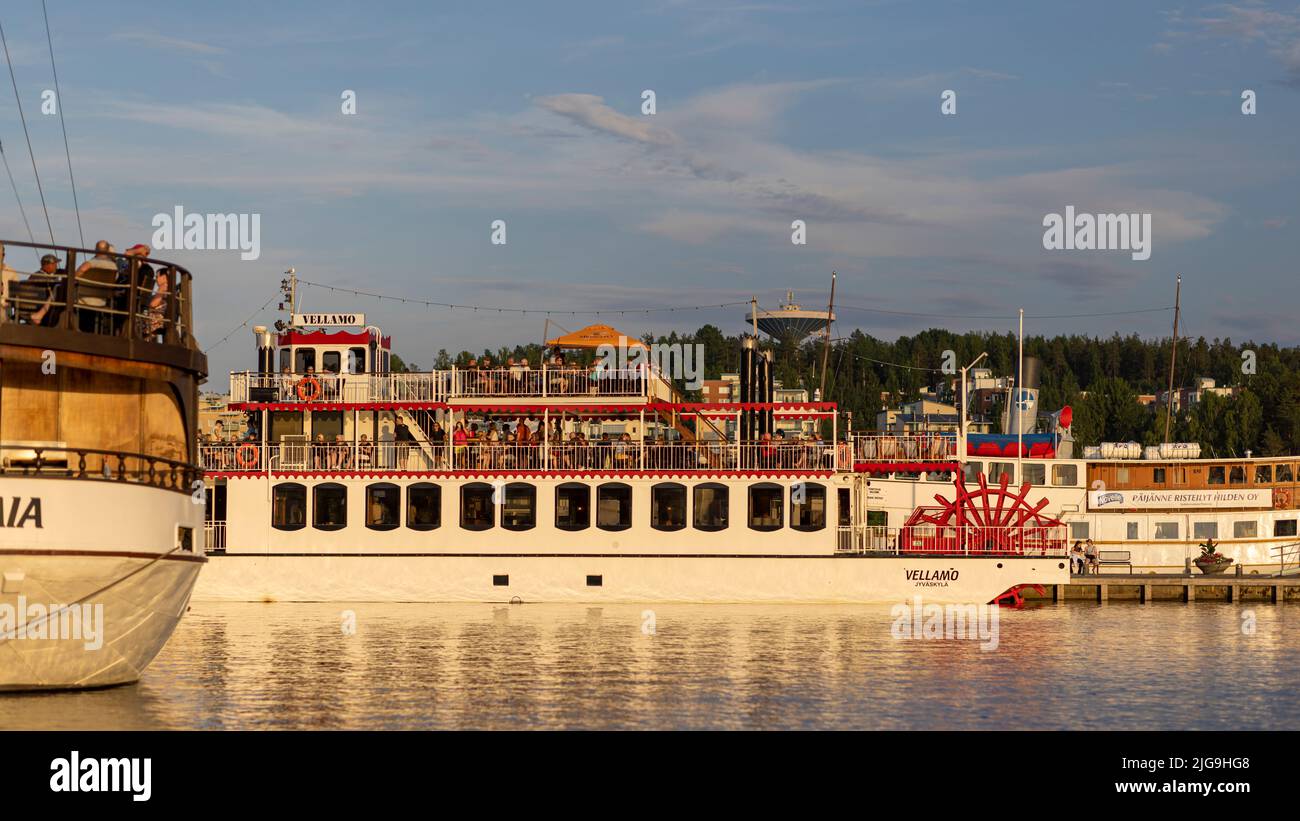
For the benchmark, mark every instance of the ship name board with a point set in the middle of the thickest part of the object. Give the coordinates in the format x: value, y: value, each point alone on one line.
x: 353, y: 320
x: 1177, y: 499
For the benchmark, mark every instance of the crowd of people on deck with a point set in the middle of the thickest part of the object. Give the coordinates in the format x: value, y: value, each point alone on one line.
x: 489, y: 444
x: 104, y: 284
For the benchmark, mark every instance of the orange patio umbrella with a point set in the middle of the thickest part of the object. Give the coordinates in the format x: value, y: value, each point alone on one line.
x: 592, y: 337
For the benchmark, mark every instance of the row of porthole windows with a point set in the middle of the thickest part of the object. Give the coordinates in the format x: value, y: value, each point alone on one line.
x: 573, y: 506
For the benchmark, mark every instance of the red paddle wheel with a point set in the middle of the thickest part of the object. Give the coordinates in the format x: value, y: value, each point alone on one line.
x: 986, y: 521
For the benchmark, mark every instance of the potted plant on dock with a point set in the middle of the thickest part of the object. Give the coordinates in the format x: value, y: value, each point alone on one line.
x: 1212, y: 561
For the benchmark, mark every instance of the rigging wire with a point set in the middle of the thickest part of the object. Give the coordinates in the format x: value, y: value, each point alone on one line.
x: 58, y: 102
x: 243, y: 324
x: 433, y: 304
x: 21, y: 210
x: 18, y: 99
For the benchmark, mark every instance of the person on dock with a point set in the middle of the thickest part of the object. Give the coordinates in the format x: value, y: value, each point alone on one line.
x: 1076, y: 558
x: 1090, y: 552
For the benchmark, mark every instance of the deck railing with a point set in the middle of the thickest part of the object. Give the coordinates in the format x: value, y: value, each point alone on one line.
x: 55, y: 461
x: 116, y: 295
x: 1049, y: 541
x: 443, y: 385
x: 907, y: 447
x: 612, y: 456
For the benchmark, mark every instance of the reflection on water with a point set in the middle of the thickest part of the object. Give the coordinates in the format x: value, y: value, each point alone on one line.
x: 417, y: 666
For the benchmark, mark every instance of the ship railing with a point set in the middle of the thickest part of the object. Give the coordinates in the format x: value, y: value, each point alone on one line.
x: 214, y: 537
x: 340, y: 387
x: 297, y: 454
x: 48, y: 460
x: 985, y: 540
x: 131, y: 297
x: 908, y: 447
x: 866, y: 539
x: 548, y: 381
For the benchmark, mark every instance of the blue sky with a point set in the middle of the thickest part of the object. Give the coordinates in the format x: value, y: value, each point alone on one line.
x: 767, y: 113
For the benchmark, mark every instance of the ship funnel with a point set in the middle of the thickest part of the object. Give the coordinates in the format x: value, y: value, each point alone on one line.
x: 1021, y: 413
x: 265, y: 349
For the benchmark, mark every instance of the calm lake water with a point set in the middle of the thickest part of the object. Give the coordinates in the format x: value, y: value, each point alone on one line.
x: 416, y: 666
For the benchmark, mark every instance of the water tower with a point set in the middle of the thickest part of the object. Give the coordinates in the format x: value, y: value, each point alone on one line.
x: 789, y: 322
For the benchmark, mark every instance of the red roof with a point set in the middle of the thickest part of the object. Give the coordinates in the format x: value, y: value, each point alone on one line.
x: 327, y: 338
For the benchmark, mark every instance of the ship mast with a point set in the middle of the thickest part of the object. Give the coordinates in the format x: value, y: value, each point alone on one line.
x: 826, y: 348
x: 1173, y: 357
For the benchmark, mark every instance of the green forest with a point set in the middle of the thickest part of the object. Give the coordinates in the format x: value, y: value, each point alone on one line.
x: 1099, y: 378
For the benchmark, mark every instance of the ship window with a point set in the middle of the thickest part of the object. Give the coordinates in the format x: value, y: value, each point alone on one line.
x: 1166, y: 530
x: 356, y: 360
x: 1065, y: 475
x: 285, y: 423
x: 1036, y: 474
x: 423, y: 506
x: 1205, y: 530
x: 1237, y: 476
x: 1217, y: 474
x: 1158, y: 476
x: 1263, y: 474
x: 998, y: 469
x: 1283, y: 474
x: 303, y: 359
x: 284, y: 358
x: 765, y: 506
x: 846, y: 510
x: 1121, y: 476
x: 808, y: 506
x: 572, y: 506
x: 613, y: 506
x: 383, y: 506
x: 289, y: 506
x: 1245, y: 530
x: 329, y: 507
x: 476, y: 506
x: 1180, y: 476
x: 330, y: 361
x: 710, y: 506
x: 1132, y: 530
x: 1079, y: 530
x: 519, y: 511
x: 1284, y: 527
x: 668, y: 506
x: 330, y: 425
x: 972, y: 471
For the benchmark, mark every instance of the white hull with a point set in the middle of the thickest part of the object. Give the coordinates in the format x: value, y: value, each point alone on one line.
x: 624, y: 579
x: 139, y: 614
x: 110, y: 545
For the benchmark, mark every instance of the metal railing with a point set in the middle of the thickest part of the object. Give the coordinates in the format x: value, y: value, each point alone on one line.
x: 56, y: 461
x: 955, y: 541
x: 1288, y: 557
x: 612, y: 455
x: 908, y: 447
x: 439, y: 386
x: 104, y: 293
x: 214, y: 537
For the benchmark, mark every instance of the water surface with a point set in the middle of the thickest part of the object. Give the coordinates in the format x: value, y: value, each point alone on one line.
x: 418, y: 666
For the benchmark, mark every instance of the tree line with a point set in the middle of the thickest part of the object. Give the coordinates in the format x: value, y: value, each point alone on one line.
x: 1100, y: 379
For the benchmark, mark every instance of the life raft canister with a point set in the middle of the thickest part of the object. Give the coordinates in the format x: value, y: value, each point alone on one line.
x: 246, y: 455
x: 309, y: 389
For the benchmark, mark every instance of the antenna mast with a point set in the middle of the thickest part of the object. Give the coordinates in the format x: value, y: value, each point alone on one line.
x: 826, y: 348
x: 1173, y: 357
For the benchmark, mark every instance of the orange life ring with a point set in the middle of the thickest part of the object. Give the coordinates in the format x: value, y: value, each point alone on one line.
x: 1281, y: 498
x: 312, y: 383
x: 246, y: 455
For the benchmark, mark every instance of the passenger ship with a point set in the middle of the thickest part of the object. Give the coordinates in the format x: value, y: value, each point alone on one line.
x: 100, y: 491
x: 349, y: 485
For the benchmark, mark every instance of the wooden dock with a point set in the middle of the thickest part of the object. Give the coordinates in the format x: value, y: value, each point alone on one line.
x: 1147, y: 587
